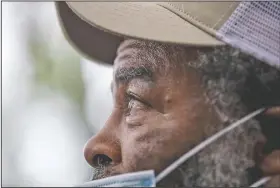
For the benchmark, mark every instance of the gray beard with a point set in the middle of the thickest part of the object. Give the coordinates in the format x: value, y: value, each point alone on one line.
x: 223, y: 163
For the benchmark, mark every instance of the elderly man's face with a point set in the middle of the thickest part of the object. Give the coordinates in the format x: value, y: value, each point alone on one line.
x: 157, y: 116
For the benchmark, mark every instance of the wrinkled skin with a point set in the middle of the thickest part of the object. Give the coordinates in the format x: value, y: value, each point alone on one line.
x: 157, y: 117
x: 153, y: 122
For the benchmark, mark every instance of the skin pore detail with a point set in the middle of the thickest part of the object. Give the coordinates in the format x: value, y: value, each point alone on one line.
x: 166, y: 100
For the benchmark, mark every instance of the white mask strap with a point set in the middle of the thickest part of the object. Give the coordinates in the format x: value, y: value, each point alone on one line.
x: 262, y: 181
x: 205, y: 143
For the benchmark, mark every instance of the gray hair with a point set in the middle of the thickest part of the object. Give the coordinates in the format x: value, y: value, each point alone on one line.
x: 235, y: 84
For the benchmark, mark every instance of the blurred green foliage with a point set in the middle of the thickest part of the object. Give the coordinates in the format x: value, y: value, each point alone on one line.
x: 59, y: 70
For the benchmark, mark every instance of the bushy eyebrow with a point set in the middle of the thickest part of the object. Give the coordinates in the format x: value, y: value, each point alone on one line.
x: 126, y: 74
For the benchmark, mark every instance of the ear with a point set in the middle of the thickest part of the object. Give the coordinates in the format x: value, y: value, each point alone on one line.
x: 273, y: 112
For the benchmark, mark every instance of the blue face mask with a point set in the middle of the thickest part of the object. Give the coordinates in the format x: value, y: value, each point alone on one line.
x: 148, y: 179
x: 135, y: 179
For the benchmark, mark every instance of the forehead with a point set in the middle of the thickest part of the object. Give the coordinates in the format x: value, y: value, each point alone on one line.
x: 159, y: 59
x: 132, y: 62
x: 158, y: 56
x: 128, y: 67
x: 132, y: 53
x: 130, y: 59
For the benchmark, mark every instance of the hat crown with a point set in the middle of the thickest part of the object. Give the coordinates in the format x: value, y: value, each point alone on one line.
x: 209, y: 14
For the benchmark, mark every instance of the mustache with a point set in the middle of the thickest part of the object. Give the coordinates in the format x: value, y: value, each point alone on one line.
x: 103, y: 171
x: 99, y: 172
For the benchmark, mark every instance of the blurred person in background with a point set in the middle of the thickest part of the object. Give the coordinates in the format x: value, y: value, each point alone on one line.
x: 177, y: 80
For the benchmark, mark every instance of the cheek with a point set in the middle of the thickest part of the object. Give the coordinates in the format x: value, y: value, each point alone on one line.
x: 156, y: 143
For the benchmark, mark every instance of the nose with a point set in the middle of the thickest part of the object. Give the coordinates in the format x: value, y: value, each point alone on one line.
x: 103, y: 149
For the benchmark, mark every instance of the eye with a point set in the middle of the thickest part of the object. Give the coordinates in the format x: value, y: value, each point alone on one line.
x: 135, y: 103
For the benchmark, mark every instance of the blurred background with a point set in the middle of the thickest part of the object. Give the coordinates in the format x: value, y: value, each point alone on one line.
x: 53, y: 100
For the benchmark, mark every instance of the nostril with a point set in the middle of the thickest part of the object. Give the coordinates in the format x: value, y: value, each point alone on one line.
x: 101, y: 160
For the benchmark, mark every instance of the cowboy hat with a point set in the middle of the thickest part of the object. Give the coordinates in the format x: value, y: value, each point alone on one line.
x: 97, y: 28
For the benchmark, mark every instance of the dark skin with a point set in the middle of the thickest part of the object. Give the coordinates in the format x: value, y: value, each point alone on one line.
x: 152, y: 113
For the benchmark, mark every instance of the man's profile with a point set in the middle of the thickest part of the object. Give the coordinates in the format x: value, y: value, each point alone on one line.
x: 171, y: 95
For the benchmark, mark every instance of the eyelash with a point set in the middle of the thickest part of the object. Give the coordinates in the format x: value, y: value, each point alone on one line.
x: 130, y: 97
